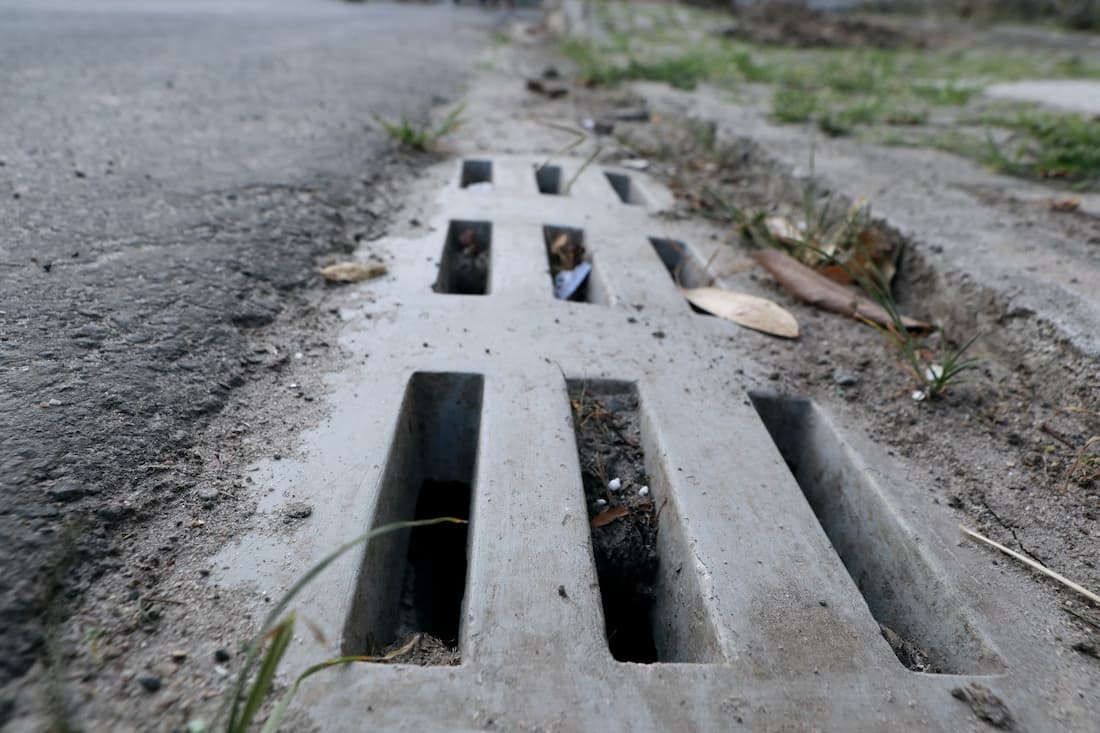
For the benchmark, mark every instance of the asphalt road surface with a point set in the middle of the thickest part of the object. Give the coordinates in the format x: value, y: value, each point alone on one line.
x: 169, y: 170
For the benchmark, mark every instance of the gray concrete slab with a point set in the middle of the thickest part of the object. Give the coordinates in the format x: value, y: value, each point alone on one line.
x: 1077, y: 95
x: 780, y: 635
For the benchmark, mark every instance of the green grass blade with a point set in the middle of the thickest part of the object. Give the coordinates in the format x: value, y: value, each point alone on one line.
x: 280, y: 709
x: 255, y: 644
x: 262, y: 684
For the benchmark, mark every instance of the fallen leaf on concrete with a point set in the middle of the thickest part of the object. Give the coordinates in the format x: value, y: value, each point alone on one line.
x: 352, y: 272
x: 1065, y: 205
x: 820, y: 291
x: 609, y: 515
x: 759, y: 314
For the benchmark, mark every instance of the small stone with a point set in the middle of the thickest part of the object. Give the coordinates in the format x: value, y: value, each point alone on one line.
x: 843, y: 379
x: 208, y: 494
x: 222, y: 655
x: 615, y: 484
x: 149, y: 682
x: 66, y: 490
x: 179, y: 656
x: 297, y: 510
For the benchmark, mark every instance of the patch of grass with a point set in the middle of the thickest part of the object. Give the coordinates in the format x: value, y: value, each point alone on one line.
x: 791, y: 105
x: 843, y: 120
x: 421, y: 137
x: 1049, y: 145
x: 834, y: 87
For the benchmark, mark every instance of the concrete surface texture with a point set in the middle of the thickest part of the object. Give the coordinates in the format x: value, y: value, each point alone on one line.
x: 168, y: 172
x: 1077, y: 95
x: 776, y: 634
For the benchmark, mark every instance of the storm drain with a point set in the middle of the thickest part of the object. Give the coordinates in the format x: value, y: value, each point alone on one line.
x: 924, y: 627
x: 413, y: 580
x: 647, y: 546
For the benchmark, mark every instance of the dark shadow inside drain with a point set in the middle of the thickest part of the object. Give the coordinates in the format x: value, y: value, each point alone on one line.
x: 624, y: 187
x: 682, y: 266
x: 464, y: 265
x: 924, y: 625
x: 548, y: 178
x: 652, y: 606
x: 476, y: 171
x: 412, y: 582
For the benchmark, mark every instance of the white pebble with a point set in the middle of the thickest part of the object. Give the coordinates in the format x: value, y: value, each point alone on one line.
x: 601, y: 502
x: 644, y: 491
x: 614, y: 484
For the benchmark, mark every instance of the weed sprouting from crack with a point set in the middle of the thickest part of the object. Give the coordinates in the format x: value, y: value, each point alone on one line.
x: 421, y: 137
x: 822, y: 241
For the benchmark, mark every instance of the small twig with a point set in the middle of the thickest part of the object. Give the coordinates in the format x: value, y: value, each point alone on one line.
x: 1077, y: 461
x: 1034, y: 565
x: 1087, y: 619
x: 1056, y: 435
x: 587, y: 162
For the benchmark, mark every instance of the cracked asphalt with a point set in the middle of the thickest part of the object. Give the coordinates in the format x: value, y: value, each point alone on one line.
x: 170, y: 171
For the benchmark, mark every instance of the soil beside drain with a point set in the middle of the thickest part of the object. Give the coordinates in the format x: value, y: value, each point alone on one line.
x: 607, y: 424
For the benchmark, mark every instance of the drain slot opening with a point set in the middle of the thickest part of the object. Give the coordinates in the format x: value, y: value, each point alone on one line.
x: 571, y: 269
x: 924, y: 626
x: 626, y: 190
x: 413, y: 581
x: 682, y: 266
x: 548, y: 178
x: 476, y: 171
x: 464, y: 266
x: 651, y: 601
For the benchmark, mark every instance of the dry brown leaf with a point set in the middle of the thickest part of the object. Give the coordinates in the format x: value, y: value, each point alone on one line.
x: 609, y: 515
x: 353, y: 272
x: 759, y: 314
x: 1065, y: 205
x: 820, y: 291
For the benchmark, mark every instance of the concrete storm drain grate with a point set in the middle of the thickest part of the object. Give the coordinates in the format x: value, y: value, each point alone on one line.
x: 649, y: 546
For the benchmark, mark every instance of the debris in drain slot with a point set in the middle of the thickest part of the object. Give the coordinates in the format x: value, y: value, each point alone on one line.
x: 607, y: 423
x: 568, y: 267
x: 609, y: 515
